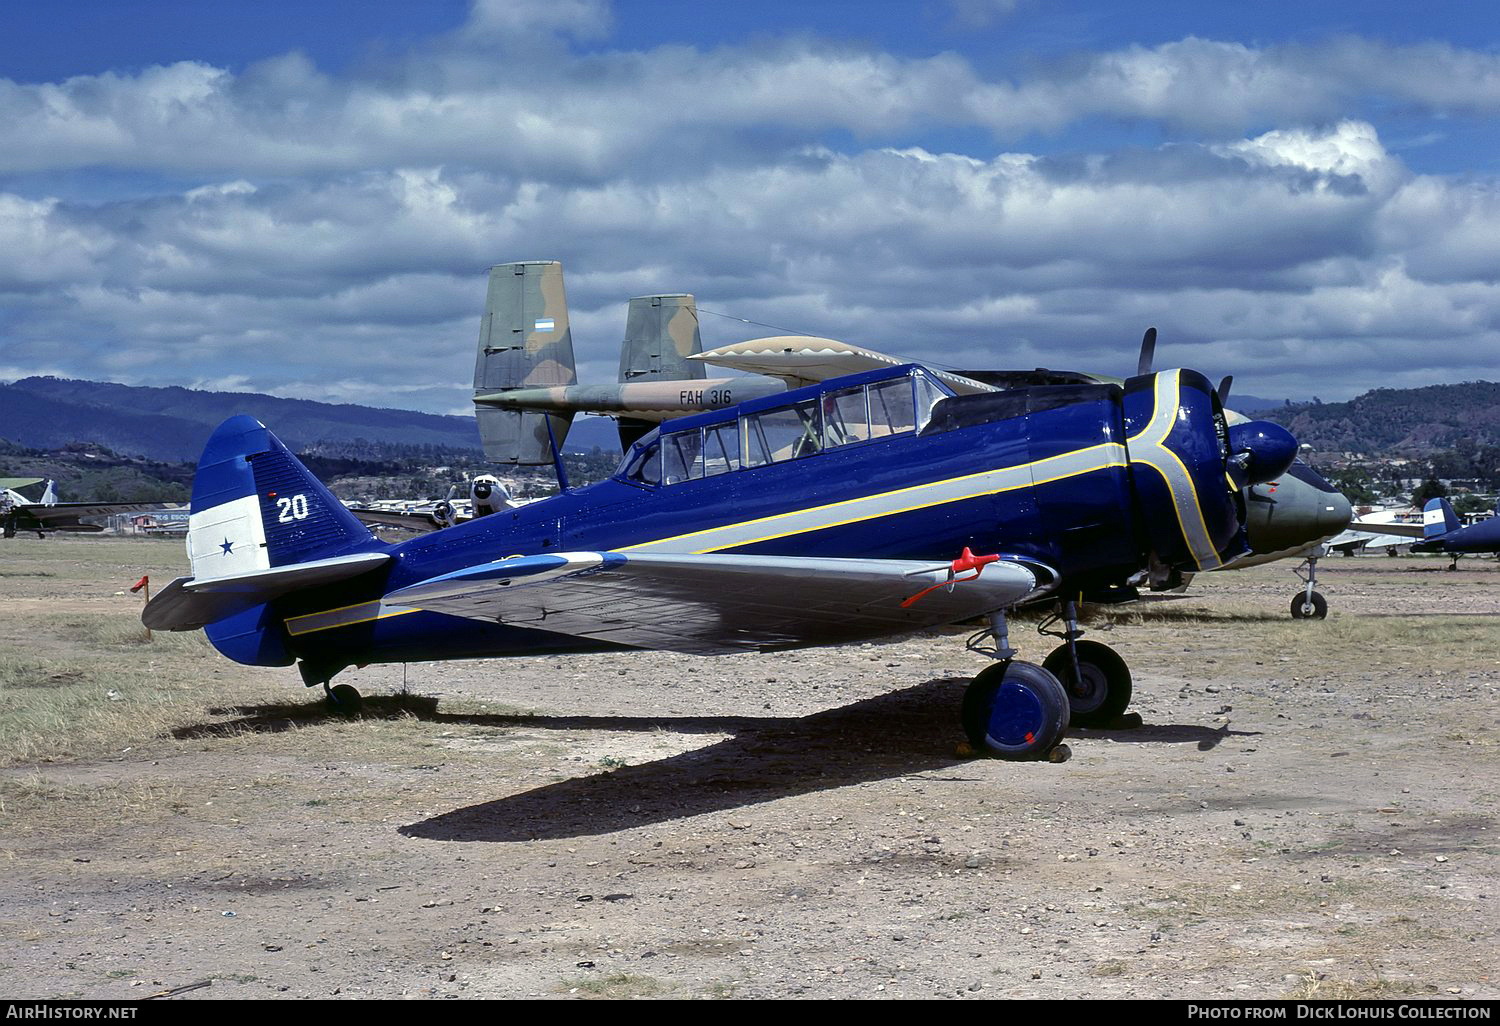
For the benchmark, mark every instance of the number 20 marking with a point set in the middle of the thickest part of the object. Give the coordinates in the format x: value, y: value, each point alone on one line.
x: 294, y: 508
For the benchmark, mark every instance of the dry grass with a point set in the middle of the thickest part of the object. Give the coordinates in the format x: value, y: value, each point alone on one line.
x: 614, y: 986
x: 1315, y: 986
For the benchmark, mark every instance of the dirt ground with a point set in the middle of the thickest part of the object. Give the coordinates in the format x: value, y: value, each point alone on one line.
x: 1308, y: 811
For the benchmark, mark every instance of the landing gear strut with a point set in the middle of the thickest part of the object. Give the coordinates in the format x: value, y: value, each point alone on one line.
x: 1095, y: 677
x: 1013, y: 709
x: 343, y: 699
x: 1308, y: 604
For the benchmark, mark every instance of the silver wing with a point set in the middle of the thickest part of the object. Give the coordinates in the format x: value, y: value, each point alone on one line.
x: 714, y: 604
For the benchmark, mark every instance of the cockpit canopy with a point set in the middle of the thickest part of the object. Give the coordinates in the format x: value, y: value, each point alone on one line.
x: 854, y: 410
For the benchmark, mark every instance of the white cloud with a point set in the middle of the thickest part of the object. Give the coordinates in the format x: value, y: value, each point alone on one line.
x: 549, y: 112
x: 331, y: 233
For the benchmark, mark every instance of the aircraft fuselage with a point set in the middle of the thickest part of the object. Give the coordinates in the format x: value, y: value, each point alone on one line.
x: 1086, y: 480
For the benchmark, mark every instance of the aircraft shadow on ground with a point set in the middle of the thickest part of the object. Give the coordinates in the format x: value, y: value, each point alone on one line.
x: 906, y: 732
x: 901, y: 733
x: 276, y: 717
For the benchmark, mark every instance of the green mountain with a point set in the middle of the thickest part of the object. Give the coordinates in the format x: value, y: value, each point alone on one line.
x: 1399, y: 421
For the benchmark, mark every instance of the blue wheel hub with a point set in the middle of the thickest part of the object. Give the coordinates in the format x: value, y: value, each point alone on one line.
x: 1015, y: 715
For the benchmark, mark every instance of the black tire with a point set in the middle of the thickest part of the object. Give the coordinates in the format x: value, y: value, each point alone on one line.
x: 1301, y: 610
x: 1106, y: 683
x: 345, y: 699
x: 1015, y: 711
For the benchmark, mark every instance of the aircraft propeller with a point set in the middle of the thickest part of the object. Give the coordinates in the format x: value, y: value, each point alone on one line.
x: 1224, y: 386
x: 1148, y: 350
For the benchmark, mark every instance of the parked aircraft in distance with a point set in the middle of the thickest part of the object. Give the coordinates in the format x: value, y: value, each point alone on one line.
x: 1386, y: 529
x: 1441, y: 532
x: 862, y: 506
x: 486, y: 495
x: 523, y: 393
x: 18, y: 513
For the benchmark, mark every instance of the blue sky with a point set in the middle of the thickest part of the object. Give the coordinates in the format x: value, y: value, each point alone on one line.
x: 302, y: 198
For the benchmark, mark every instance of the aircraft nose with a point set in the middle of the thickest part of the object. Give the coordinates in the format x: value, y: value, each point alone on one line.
x: 1260, y: 451
x: 1335, y: 514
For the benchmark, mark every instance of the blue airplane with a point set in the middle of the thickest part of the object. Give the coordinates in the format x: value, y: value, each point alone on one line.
x: 863, y: 506
x: 1441, y: 532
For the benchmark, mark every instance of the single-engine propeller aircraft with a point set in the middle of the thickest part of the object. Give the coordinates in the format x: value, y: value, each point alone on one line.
x: 18, y: 513
x: 521, y: 389
x: 862, y: 506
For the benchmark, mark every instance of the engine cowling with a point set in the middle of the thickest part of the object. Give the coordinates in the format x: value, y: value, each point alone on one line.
x: 1179, y: 451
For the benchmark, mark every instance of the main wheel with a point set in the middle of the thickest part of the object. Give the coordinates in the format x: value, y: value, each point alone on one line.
x: 1105, y: 680
x: 1317, y: 609
x: 345, y: 700
x: 1015, y: 710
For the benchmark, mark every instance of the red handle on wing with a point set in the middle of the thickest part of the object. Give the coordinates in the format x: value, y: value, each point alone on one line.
x: 964, y: 563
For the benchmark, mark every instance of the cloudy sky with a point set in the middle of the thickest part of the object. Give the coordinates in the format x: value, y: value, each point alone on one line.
x: 303, y: 197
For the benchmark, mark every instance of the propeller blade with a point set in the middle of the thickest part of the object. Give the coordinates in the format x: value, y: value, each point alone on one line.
x: 1148, y: 350
x: 1224, y: 389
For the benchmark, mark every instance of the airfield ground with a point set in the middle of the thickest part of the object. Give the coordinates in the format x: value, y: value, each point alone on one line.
x: 1309, y: 810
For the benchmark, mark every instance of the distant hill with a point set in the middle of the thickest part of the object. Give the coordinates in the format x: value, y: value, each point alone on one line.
x: 173, y: 423
x: 1398, y: 421
x: 1253, y: 404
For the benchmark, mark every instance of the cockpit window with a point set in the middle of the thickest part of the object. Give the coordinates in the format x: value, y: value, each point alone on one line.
x: 682, y: 456
x: 846, y: 418
x: 1307, y: 475
x: 721, y: 448
x: 646, y: 466
x: 783, y: 434
x: 891, y: 408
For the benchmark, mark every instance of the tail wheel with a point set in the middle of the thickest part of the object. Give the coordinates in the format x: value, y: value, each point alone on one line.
x: 1302, y: 609
x: 1015, y: 711
x: 1104, y: 686
x: 345, y: 699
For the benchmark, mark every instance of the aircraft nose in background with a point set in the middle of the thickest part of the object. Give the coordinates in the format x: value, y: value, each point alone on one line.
x: 1335, y: 513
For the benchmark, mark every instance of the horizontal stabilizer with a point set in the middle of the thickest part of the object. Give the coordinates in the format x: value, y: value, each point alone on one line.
x: 188, y: 604
x: 712, y: 603
x: 806, y: 359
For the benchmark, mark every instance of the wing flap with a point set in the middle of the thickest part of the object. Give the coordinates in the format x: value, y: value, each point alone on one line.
x: 715, y: 603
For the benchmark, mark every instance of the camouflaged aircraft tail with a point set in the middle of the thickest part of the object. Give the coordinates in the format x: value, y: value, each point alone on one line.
x: 524, y: 342
x: 661, y: 332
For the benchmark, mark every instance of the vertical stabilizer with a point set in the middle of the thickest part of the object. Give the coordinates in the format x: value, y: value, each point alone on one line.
x: 49, y: 494
x: 661, y: 332
x: 1438, y: 518
x: 255, y: 506
x: 524, y: 342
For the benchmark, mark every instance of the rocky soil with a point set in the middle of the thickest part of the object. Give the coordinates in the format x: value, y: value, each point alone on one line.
x: 1308, y: 810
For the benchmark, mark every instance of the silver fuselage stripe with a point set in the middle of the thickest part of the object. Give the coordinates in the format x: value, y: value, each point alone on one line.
x: 1147, y: 447
x: 884, y: 504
